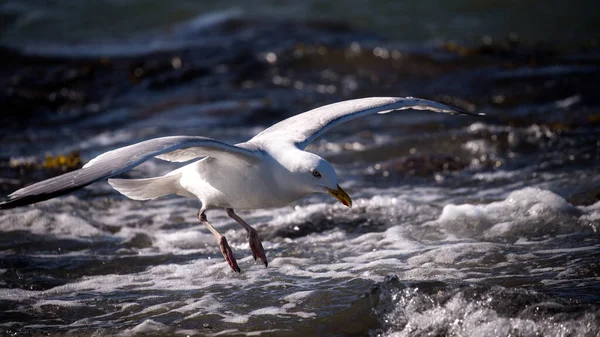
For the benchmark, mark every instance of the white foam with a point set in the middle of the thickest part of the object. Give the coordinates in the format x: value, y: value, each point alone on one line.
x: 268, y: 311
x: 300, y: 267
x: 236, y: 319
x: 206, y: 303
x: 417, y: 315
x: 458, y: 254
x: 148, y: 326
x: 280, y: 311
x: 46, y: 223
x: 525, y: 212
x: 16, y: 294
x: 298, y: 296
x: 183, y: 240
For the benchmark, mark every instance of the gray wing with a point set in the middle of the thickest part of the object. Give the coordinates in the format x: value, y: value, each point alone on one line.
x: 124, y: 159
x: 302, y: 129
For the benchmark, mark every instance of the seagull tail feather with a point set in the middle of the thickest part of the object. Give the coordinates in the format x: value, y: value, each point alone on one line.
x: 146, y: 189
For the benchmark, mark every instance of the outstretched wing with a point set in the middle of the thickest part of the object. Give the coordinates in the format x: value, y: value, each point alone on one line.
x: 109, y: 164
x: 302, y: 129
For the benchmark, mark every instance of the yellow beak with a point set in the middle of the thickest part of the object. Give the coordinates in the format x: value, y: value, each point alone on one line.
x: 341, y: 195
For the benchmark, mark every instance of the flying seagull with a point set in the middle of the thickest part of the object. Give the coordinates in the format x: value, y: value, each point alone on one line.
x: 270, y: 170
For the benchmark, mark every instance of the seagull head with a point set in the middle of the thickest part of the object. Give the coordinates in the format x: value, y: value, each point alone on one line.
x: 316, y: 175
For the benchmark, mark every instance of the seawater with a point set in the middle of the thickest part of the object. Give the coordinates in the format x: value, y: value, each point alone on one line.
x: 460, y: 227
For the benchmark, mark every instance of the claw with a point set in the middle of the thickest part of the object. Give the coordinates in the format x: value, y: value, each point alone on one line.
x: 256, y: 247
x: 228, y: 254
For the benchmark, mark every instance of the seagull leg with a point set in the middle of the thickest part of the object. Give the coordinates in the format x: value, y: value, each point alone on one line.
x: 254, y: 240
x: 225, y: 249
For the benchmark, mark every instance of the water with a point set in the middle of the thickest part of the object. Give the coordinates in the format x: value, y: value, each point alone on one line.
x: 552, y: 22
x: 460, y: 227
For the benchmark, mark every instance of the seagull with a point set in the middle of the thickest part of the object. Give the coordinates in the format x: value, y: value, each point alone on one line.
x: 270, y: 170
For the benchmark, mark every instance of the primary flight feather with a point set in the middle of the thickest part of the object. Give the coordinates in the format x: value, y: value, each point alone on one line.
x: 270, y: 170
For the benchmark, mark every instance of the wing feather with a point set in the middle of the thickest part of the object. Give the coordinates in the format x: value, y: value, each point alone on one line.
x: 117, y: 161
x: 302, y: 129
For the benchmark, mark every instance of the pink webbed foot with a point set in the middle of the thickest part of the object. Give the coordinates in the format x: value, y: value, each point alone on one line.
x: 256, y: 246
x: 228, y: 254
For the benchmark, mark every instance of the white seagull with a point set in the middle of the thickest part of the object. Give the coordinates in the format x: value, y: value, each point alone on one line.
x: 270, y: 170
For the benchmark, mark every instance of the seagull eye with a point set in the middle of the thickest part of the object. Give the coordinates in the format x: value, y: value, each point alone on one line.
x: 316, y: 174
